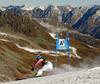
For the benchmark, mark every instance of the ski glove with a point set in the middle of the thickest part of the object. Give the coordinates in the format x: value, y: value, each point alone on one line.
x: 32, y: 69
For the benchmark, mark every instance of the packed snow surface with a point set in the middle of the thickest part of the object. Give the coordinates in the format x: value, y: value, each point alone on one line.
x: 86, y: 76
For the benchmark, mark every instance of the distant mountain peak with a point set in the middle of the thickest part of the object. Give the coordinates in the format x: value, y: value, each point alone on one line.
x: 49, y: 6
x: 68, y: 5
x: 2, y: 9
x: 8, y: 7
x: 40, y: 7
x: 26, y: 7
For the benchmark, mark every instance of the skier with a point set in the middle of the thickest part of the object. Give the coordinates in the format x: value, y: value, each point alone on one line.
x: 46, y: 65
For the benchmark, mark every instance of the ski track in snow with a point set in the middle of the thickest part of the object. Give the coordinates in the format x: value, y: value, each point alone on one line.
x: 4, y: 40
x: 52, y: 53
x: 35, y: 50
x: 86, y: 76
x: 74, y: 52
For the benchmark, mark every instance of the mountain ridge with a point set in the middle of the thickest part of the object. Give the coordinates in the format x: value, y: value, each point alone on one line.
x: 84, y: 19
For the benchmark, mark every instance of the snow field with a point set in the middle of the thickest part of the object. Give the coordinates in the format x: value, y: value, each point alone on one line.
x: 86, y: 76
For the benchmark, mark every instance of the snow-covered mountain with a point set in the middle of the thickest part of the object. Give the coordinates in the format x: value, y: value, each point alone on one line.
x: 23, y: 7
x: 26, y: 7
x: 84, y: 19
x: 3, y: 9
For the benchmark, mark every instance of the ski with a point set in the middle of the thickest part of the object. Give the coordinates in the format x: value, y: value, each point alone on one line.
x: 30, y: 77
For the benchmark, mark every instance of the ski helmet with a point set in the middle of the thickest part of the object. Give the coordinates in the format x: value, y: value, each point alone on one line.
x: 38, y: 57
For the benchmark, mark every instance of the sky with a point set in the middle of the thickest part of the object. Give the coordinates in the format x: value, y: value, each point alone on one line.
x: 75, y: 3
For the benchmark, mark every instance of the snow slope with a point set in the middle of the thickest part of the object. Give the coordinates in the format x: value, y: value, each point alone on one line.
x: 86, y: 76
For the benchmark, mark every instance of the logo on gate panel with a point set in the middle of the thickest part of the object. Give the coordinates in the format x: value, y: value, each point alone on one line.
x: 61, y: 42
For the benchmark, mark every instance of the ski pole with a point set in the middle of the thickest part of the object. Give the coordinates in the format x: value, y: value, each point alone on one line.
x: 22, y: 75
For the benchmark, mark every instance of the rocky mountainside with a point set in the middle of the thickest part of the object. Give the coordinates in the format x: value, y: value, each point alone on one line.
x: 84, y: 19
x: 24, y: 27
x: 89, y: 23
x: 54, y: 26
x: 23, y: 37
